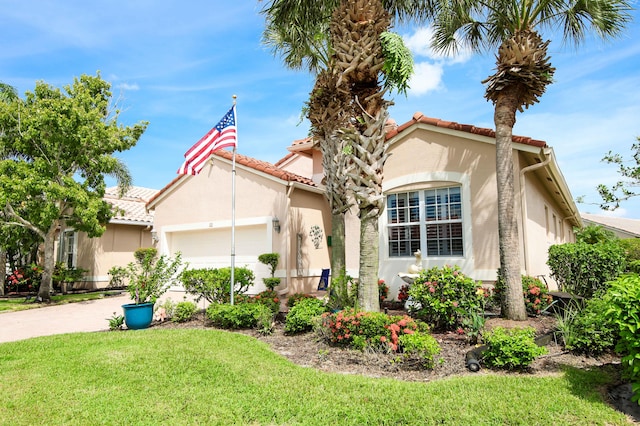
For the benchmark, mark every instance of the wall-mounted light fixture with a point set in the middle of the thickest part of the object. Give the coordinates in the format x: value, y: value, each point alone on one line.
x: 276, y: 224
x: 154, y: 236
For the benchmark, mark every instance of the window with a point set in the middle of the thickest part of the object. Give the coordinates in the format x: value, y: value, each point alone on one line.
x: 69, y: 248
x: 430, y: 220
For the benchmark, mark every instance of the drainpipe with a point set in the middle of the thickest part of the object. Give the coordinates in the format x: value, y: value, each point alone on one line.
x: 523, y: 202
x: 288, y: 241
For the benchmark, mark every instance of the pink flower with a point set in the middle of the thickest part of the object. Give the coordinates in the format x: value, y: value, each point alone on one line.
x: 383, y: 339
x: 407, y: 331
x: 455, y: 304
x: 432, y: 290
x: 460, y: 330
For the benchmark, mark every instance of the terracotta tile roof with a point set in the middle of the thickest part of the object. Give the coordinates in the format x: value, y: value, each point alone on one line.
x: 252, y: 163
x: 418, y: 117
x: 131, y: 207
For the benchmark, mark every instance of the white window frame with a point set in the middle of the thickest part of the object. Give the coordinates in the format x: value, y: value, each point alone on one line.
x: 63, y: 253
x: 425, y: 181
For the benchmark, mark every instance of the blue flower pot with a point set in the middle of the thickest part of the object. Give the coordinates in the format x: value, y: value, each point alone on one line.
x: 137, y: 317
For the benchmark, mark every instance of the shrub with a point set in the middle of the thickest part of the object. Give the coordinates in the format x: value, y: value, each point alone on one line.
x: 118, y: 276
x: 511, y: 349
x: 589, y: 329
x: 383, y: 290
x: 583, y: 269
x: 241, y: 315
x: 296, y: 297
x: 362, y: 330
x: 444, y: 296
x: 403, y: 293
x: 594, y: 234
x: 271, y: 260
x: 536, y: 296
x: 341, y: 293
x: 300, y: 317
x: 421, y: 347
x: 631, y: 248
x: 214, y: 284
x: 183, y: 311
x: 166, y: 308
x: 624, y: 294
x: 269, y: 298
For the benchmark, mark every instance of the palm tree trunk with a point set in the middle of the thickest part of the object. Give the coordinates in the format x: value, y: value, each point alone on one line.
x: 3, y: 275
x: 368, y: 299
x: 505, y: 117
x: 338, y: 258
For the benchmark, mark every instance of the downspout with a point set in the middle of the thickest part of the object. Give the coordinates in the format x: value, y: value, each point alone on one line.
x: 285, y: 290
x: 523, y: 202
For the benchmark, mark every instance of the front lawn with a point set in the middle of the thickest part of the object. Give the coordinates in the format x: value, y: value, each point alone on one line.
x: 9, y: 304
x: 196, y: 376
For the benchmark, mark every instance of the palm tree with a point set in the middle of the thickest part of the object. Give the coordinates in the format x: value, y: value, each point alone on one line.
x: 346, y: 108
x: 522, y: 74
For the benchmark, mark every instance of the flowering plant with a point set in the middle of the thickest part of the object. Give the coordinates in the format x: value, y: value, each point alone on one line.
x: 269, y: 298
x: 536, y: 298
x: 150, y: 276
x: 444, y: 297
x: 383, y: 290
x: 24, y: 278
x: 403, y: 294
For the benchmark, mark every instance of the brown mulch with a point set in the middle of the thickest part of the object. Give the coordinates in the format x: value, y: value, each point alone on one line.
x: 308, y: 351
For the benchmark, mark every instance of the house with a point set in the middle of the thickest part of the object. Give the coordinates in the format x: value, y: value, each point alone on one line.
x: 622, y: 227
x: 440, y: 190
x: 129, y: 229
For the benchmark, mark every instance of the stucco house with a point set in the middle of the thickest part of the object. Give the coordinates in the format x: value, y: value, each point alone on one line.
x: 440, y: 190
x: 622, y: 227
x: 128, y: 230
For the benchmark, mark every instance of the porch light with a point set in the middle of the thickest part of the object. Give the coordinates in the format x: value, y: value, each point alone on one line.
x: 154, y: 236
x: 276, y: 224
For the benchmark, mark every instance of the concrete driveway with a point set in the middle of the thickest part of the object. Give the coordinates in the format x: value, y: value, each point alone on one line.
x: 92, y: 315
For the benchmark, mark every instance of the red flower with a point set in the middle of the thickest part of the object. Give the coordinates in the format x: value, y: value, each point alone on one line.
x: 383, y: 339
x: 460, y: 330
x: 407, y: 331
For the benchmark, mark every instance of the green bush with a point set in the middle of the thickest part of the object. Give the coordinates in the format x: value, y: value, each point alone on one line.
x: 360, y: 330
x: 624, y: 310
x: 583, y: 269
x: 342, y: 293
x: 443, y: 297
x: 183, y: 311
x: 594, y: 234
x: 536, y: 296
x: 296, y: 297
x: 214, y: 284
x: 269, y: 298
x: 421, y: 347
x: 511, y: 349
x: 271, y: 260
x: 588, y: 330
x: 241, y: 315
x: 300, y: 317
x: 631, y: 247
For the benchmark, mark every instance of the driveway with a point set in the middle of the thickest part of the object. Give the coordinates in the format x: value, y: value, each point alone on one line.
x: 92, y: 315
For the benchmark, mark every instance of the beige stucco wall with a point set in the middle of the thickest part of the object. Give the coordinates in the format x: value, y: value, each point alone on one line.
x: 114, y: 248
x: 426, y: 159
x: 202, y: 203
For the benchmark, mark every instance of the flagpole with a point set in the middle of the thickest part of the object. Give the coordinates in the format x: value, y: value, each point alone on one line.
x: 233, y: 204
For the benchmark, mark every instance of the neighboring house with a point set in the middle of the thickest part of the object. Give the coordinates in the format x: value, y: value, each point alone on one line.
x: 440, y: 190
x: 129, y: 229
x: 621, y: 227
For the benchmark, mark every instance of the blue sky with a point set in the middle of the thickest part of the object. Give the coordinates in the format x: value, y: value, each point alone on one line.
x: 177, y: 65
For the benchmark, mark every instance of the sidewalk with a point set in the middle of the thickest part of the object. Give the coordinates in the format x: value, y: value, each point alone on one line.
x: 92, y: 315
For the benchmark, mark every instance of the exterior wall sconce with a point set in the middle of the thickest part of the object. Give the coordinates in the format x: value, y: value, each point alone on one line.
x: 276, y: 224
x: 154, y: 236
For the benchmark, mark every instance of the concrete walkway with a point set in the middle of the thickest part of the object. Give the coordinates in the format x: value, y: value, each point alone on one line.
x: 92, y: 315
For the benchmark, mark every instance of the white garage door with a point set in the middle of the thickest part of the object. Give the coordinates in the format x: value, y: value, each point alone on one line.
x: 211, y: 248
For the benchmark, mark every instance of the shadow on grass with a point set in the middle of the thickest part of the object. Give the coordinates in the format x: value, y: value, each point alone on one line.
x: 603, y: 383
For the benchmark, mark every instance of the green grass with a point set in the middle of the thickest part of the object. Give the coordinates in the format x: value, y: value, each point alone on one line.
x: 195, y: 376
x: 11, y: 304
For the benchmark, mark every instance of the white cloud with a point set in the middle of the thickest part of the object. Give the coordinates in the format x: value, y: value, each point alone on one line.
x: 127, y: 86
x: 427, y: 77
x: 420, y: 44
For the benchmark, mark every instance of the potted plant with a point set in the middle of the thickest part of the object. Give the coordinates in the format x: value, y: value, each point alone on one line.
x: 271, y: 260
x: 149, y: 278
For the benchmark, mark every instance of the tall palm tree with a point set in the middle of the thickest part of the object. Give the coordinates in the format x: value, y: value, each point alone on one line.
x: 346, y: 108
x: 523, y: 71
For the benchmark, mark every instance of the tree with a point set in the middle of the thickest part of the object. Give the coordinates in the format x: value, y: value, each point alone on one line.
x: 523, y: 71
x: 57, y: 149
x: 346, y: 107
x: 621, y: 191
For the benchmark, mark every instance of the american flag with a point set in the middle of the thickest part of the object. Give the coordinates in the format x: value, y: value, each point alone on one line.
x: 223, y: 135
